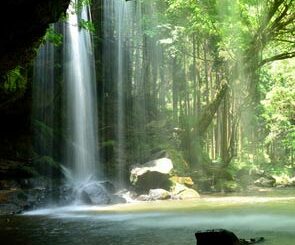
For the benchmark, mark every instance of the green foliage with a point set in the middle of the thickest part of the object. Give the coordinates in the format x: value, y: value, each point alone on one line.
x: 187, y: 49
x: 180, y: 165
x: 87, y: 25
x: 77, y: 7
x: 279, y: 112
x: 53, y: 37
x: 15, y: 82
x: 79, y: 4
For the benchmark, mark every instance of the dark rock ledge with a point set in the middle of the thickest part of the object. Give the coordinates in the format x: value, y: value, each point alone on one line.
x: 23, y: 23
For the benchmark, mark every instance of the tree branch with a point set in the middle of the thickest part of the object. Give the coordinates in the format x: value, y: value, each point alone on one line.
x: 210, y: 110
x: 277, y: 57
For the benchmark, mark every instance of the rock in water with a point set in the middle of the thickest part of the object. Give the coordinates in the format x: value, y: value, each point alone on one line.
x: 152, y: 175
x: 216, y: 237
x: 95, y: 194
x: 223, y: 237
x: 154, y: 195
x: 159, y: 194
x: 188, y: 194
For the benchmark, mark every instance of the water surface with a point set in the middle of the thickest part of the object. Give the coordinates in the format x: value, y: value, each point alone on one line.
x: 166, y: 222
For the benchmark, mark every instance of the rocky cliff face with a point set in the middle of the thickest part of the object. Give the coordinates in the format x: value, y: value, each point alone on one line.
x: 23, y: 23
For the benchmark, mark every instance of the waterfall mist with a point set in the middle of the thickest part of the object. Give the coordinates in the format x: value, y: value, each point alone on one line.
x: 117, y: 23
x: 130, y: 55
x: 43, y: 99
x: 80, y: 99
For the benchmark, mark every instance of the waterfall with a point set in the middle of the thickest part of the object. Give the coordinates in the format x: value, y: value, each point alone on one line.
x: 80, y: 99
x: 43, y: 100
x: 43, y: 110
x: 117, y: 31
x: 132, y: 60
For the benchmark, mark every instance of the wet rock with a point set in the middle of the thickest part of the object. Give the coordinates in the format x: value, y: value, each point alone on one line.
x: 152, y: 175
x: 127, y: 195
x: 251, y: 240
x: 154, y: 195
x: 11, y: 201
x: 182, y: 192
x: 143, y: 198
x: 116, y: 199
x: 265, y: 181
x: 16, y: 200
x: 94, y: 194
x: 216, y: 237
x: 8, y: 184
x: 188, y: 194
x: 223, y: 237
x: 108, y: 186
x: 158, y: 194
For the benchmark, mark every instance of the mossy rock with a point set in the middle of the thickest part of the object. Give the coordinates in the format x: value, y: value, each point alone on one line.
x: 187, y: 181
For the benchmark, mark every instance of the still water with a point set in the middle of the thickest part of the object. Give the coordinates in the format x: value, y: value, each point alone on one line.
x: 165, y: 222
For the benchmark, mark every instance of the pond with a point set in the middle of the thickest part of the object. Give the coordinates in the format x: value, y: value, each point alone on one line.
x: 165, y: 222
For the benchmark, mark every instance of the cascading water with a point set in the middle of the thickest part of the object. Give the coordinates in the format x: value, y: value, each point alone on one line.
x: 117, y: 26
x: 43, y: 100
x: 43, y: 110
x: 81, y: 105
x: 131, y: 54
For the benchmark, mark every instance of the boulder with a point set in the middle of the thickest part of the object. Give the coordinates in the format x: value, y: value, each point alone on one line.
x: 265, y: 181
x: 159, y: 194
x: 187, y: 181
x: 16, y: 200
x: 188, y: 194
x: 223, y: 237
x: 116, y: 199
x: 292, y: 181
x: 154, y: 195
x: 109, y: 186
x: 94, y: 193
x: 99, y: 193
x: 216, y: 237
x: 143, y: 198
x: 182, y: 192
x: 178, y: 188
x: 152, y: 175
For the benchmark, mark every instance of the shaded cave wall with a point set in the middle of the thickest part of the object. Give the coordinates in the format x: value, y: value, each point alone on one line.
x: 23, y: 26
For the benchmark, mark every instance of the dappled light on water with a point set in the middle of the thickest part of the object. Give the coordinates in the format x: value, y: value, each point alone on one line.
x: 174, y: 222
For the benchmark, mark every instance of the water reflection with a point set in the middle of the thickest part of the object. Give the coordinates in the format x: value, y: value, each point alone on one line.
x: 155, y: 223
